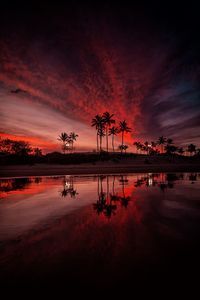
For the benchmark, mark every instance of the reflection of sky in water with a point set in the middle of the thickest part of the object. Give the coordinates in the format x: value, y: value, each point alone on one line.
x: 28, y: 203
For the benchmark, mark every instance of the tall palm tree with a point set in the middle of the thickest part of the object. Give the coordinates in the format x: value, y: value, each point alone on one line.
x: 125, y: 148
x: 123, y: 127
x: 63, y: 137
x: 170, y: 141
x: 137, y: 145
x: 37, y: 152
x: 146, y: 144
x: 101, y: 134
x: 162, y: 141
x: 180, y: 151
x: 113, y: 131
x: 97, y: 123
x: 108, y: 121
x: 191, y: 148
x: 72, y: 138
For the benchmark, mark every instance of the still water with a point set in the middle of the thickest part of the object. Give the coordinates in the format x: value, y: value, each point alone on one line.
x: 92, y: 230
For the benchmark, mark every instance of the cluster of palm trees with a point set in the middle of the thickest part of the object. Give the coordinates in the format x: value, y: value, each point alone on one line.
x: 164, y: 145
x: 67, y: 141
x: 104, y: 125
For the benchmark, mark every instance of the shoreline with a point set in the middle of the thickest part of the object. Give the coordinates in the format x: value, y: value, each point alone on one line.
x: 100, y: 168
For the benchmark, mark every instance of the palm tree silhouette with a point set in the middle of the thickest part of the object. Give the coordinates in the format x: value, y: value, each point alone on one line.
x: 180, y: 151
x: 37, y: 152
x: 63, y: 137
x: 121, y: 148
x: 101, y: 134
x: 108, y: 121
x: 113, y: 131
x: 125, y: 148
x: 123, y: 127
x: 191, y: 148
x: 146, y: 144
x: 97, y: 123
x: 161, y: 141
x: 170, y: 141
x: 72, y: 138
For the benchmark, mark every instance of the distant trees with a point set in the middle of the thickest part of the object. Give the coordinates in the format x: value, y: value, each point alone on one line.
x: 162, y: 141
x: 37, y: 152
x: 67, y: 140
x: 20, y: 148
x: 170, y: 148
x: 113, y: 131
x: 191, y: 149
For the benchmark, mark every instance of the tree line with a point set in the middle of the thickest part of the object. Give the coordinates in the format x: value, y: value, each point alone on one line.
x: 164, y: 145
x: 20, y: 148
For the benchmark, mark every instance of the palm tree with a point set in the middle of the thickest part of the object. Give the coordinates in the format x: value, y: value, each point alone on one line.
x: 161, y: 142
x: 97, y: 123
x: 101, y: 134
x: 72, y: 138
x: 123, y: 127
x: 125, y: 148
x: 137, y: 145
x: 180, y: 151
x: 113, y: 131
x: 169, y: 141
x: 191, y: 148
x: 63, y: 137
x: 108, y: 121
x: 121, y: 148
x: 146, y: 144
x: 37, y: 152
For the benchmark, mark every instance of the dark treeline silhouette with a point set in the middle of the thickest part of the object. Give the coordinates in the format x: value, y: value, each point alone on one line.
x: 21, y: 152
x: 165, y: 146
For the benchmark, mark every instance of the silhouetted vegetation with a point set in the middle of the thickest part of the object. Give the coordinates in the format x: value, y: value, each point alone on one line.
x: 21, y: 152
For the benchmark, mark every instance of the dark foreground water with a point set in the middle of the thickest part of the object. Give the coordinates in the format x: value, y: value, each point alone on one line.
x: 101, y: 232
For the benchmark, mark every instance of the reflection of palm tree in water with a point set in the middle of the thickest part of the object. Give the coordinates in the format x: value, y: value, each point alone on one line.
x: 114, y: 196
x: 109, y: 207
x: 124, y: 199
x: 101, y: 202
x: 68, y: 187
x: 104, y: 203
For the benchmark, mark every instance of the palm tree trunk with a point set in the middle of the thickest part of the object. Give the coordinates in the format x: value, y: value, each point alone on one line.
x: 97, y: 142
x: 98, y: 185
x: 122, y: 141
x: 100, y: 143
x: 113, y: 143
x: 107, y: 138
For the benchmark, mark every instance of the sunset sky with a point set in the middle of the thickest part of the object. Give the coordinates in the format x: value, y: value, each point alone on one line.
x: 60, y: 65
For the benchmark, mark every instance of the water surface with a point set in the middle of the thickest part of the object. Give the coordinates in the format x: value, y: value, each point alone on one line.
x: 91, y: 230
